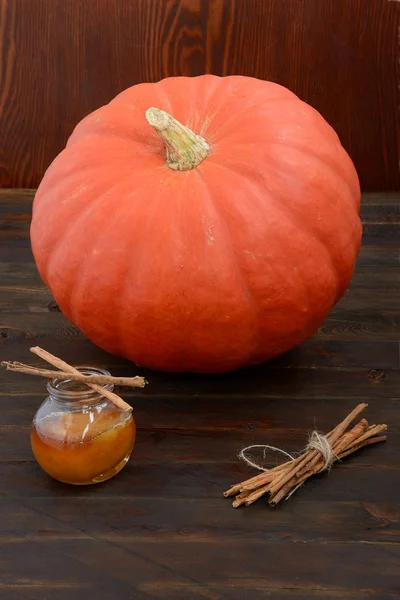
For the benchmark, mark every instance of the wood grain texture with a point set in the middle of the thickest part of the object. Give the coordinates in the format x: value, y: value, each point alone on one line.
x: 162, y: 529
x: 180, y: 480
x: 61, y: 59
x: 196, y: 446
x: 227, y: 415
x: 46, y: 518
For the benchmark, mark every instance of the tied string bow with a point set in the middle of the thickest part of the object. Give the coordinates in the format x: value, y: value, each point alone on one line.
x: 317, y: 441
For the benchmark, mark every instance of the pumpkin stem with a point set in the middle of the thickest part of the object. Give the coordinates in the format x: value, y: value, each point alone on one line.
x: 185, y: 149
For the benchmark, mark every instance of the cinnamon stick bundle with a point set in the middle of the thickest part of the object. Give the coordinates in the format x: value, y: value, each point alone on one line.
x: 322, y: 451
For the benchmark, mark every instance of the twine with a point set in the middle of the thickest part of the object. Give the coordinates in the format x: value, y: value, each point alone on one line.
x: 265, y: 447
x: 316, y: 441
x: 320, y: 442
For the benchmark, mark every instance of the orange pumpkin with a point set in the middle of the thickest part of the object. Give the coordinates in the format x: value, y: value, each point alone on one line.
x: 214, y: 235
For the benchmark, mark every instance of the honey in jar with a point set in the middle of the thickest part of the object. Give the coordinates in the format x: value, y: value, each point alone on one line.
x: 80, y: 437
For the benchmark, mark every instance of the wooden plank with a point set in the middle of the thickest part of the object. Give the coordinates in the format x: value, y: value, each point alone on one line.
x: 202, y: 591
x: 386, y: 197
x: 195, y: 446
x: 320, y: 351
x: 380, y: 301
x: 349, y: 481
x: 265, y: 381
x: 361, y: 324
x: 21, y: 299
x: 200, y: 520
x: 315, y: 353
x: 259, y: 591
x: 370, y: 278
x: 65, y: 568
x: 17, y: 589
x: 50, y: 324
x: 381, y: 213
x: 226, y: 414
x: 268, y: 563
x: 372, y: 255
x: 219, y: 414
x: 191, y: 562
x: 16, y: 200
x: 16, y: 251
x: 386, y: 234
x: 20, y: 274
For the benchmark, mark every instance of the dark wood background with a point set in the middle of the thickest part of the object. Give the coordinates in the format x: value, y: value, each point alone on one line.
x: 61, y: 59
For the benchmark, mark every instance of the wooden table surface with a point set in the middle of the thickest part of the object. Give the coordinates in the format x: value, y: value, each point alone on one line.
x: 161, y: 528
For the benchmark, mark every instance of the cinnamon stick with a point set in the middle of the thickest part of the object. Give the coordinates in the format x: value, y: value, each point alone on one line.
x: 285, y: 490
x: 255, y: 495
x: 367, y: 435
x: 57, y: 362
x: 240, y: 499
x: 255, y: 482
x: 347, y: 438
x: 99, y: 379
x: 374, y: 440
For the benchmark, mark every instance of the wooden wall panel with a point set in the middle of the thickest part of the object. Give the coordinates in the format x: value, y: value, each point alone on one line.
x: 60, y: 59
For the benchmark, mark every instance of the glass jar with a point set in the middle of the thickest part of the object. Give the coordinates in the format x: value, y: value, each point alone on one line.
x: 80, y: 437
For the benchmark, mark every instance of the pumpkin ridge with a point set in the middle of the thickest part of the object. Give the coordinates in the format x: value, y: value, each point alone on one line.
x: 331, y: 259
x: 289, y: 218
x: 322, y: 159
x: 79, y: 283
x: 110, y: 223
x: 220, y: 129
x: 190, y: 121
x: 310, y: 152
x: 292, y: 217
x: 247, y: 292
x: 60, y: 240
x: 79, y: 223
x: 45, y: 194
x: 255, y: 188
x: 143, y: 147
x: 121, y: 323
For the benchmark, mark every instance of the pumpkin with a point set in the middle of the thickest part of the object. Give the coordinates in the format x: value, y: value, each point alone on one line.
x: 199, y: 224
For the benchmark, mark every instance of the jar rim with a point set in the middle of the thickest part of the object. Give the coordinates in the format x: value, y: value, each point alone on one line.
x: 58, y: 388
